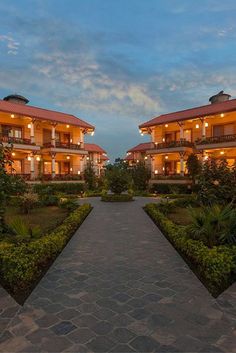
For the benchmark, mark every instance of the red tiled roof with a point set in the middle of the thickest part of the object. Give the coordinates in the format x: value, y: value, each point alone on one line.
x: 92, y: 147
x: 198, y: 112
x: 42, y: 114
x: 104, y: 158
x: 130, y: 157
x: 142, y: 147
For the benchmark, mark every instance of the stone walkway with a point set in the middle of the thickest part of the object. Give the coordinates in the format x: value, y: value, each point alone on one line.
x: 119, y: 286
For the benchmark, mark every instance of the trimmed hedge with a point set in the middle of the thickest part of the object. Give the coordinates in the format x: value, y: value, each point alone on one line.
x: 67, y: 188
x: 117, y: 198
x: 22, y: 265
x: 215, y: 267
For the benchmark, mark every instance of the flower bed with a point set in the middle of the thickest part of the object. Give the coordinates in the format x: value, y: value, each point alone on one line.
x: 215, y: 266
x: 21, y: 266
x: 117, y: 198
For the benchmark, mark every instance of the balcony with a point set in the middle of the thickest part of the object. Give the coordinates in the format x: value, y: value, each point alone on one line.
x: 174, y: 146
x: 70, y: 146
x: 61, y: 177
x: 212, y: 142
x: 16, y: 140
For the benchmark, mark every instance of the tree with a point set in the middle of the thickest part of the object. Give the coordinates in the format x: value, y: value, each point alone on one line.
x: 193, y: 166
x: 140, y: 175
x: 118, y: 179
x: 90, y: 176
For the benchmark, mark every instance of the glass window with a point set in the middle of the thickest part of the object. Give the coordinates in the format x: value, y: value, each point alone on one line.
x: 12, y: 131
x: 15, y: 168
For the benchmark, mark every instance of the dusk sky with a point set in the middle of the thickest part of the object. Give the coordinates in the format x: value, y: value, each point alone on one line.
x: 117, y: 63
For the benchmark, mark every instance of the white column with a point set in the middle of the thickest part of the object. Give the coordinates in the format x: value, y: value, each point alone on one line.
x: 53, y: 138
x: 53, y: 165
x: 32, y: 166
x: 203, y: 128
x: 32, y: 132
x: 181, y: 132
x: 181, y: 163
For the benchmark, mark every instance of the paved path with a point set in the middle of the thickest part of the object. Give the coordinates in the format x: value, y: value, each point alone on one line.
x: 119, y: 286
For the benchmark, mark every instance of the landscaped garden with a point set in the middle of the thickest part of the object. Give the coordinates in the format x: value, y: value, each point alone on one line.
x: 202, y: 226
x: 36, y: 222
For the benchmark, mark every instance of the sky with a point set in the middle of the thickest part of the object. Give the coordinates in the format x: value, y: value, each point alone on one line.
x: 117, y: 63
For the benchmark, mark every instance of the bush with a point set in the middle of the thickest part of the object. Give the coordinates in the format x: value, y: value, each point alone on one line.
x: 118, y: 180
x: 21, y: 265
x: 117, y: 197
x: 215, y: 266
x: 67, y: 188
x: 168, y: 188
x: 23, y: 232
x: 140, y: 175
x: 68, y: 204
x: 28, y: 201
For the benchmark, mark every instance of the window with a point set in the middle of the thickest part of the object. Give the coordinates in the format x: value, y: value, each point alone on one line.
x: 12, y: 131
x: 221, y: 130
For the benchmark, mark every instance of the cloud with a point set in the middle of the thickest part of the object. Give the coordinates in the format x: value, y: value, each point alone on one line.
x: 11, y: 44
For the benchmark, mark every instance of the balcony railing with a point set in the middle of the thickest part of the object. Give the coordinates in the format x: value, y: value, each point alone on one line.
x: 16, y: 140
x: 61, y: 177
x: 173, y: 144
x: 216, y: 139
x: 58, y: 144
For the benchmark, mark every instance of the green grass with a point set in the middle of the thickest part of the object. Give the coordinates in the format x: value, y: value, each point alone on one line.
x: 46, y: 217
x: 180, y: 216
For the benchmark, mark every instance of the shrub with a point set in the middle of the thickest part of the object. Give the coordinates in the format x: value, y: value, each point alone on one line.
x: 22, y: 230
x: 67, y: 188
x: 22, y: 264
x: 118, y: 180
x: 90, y: 176
x: 28, y: 201
x: 117, y: 197
x: 140, y: 175
x: 168, y: 188
x: 215, y: 266
x: 68, y: 204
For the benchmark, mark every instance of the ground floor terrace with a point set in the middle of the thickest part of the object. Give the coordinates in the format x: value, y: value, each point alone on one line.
x: 119, y: 286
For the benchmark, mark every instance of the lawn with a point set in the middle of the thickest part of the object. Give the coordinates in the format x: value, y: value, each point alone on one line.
x: 47, y: 217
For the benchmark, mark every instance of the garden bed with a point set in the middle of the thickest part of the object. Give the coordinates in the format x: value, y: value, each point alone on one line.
x: 117, y: 198
x: 215, y: 266
x: 23, y: 265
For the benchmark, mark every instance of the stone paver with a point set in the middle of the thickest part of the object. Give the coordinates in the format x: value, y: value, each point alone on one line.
x: 119, y: 286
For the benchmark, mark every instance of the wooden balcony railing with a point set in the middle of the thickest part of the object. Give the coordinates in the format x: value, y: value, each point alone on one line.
x: 16, y: 140
x: 172, y: 144
x: 216, y: 139
x: 70, y: 146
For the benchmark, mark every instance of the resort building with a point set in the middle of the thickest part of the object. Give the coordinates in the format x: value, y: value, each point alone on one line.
x: 45, y: 143
x: 208, y: 130
x: 139, y: 154
x: 97, y: 156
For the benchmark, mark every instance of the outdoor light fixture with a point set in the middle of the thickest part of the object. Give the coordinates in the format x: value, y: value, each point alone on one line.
x: 163, y: 139
x: 206, y: 124
x: 197, y: 126
x: 137, y: 160
x: 12, y: 116
x: 141, y: 133
x: 29, y: 158
x: 71, y: 169
x: 156, y: 143
x: 222, y: 152
x: 163, y: 168
x: 67, y: 157
x: 13, y: 154
x: 222, y: 115
x: 67, y: 126
x: 156, y: 171
x: 166, y: 125
x: 87, y: 158
x: 38, y: 158
x: 166, y: 157
x: 145, y: 157
x: 78, y: 172
x: 78, y: 142
x: 71, y: 140
x: 29, y: 126
x: 92, y: 133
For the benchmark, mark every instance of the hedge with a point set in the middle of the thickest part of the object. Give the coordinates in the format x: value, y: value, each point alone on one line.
x: 20, y: 265
x: 117, y: 198
x: 67, y: 188
x: 215, y: 267
x: 173, y: 188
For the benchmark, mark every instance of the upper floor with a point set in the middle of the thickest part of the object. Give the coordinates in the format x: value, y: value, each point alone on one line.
x: 208, y: 127
x: 28, y: 127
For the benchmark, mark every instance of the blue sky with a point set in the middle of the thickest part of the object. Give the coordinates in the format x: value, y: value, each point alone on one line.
x: 117, y: 63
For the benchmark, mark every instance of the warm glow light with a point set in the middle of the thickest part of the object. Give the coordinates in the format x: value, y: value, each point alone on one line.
x: 156, y: 143
x: 205, y: 158
x: 71, y: 169
x: 156, y: 171
x: 67, y: 126
x: 78, y: 172
x: 71, y: 140
x: 12, y: 116
x: 141, y: 133
x: 137, y: 160
x: 78, y: 143
x: 163, y: 139
x: 197, y: 126
x: 29, y: 126
x: 29, y: 158
x: 166, y: 157
x: 38, y: 158
x: 87, y: 158
x: 206, y: 124
x: 163, y: 168
x: 92, y: 133
x: 67, y: 157
x: 222, y: 152
x: 166, y: 125
x: 13, y: 154
x: 145, y: 157
x: 222, y: 115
